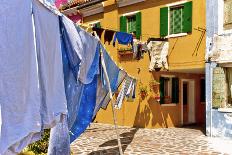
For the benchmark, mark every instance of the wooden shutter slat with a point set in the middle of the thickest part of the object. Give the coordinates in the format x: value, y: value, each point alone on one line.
x: 187, y: 15
x: 163, y: 22
x: 138, y: 24
x: 123, y: 26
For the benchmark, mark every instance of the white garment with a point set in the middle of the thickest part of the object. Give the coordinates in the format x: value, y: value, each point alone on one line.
x: 89, y: 47
x: 158, y: 53
x: 19, y: 91
x: 75, y: 38
x: 48, y: 46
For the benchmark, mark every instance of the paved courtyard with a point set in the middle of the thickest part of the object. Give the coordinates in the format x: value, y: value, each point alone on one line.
x: 100, y: 139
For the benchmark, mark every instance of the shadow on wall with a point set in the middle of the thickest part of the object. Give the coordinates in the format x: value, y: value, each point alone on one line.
x: 126, y: 138
x: 151, y: 113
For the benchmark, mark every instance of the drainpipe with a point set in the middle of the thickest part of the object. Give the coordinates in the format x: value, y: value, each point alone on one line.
x: 212, y: 66
x: 211, y: 98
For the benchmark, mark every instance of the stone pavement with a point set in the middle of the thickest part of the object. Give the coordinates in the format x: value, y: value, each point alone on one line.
x: 100, y: 139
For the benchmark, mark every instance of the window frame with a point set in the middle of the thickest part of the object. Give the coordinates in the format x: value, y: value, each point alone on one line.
x: 127, y: 22
x: 171, y: 5
x: 130, y: 14
x: 169, y: 90
x: 169, y: 19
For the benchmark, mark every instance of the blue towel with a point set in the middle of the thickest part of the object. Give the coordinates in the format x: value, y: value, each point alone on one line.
x: 85, y: 113
x: 123, y: 38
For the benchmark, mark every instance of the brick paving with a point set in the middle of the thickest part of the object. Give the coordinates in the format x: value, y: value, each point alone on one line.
x: 100, y: 139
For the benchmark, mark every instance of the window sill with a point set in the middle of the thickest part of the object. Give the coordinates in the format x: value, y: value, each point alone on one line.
x: 169, y: 105
x: 176, y: 35
x: 225, y: 110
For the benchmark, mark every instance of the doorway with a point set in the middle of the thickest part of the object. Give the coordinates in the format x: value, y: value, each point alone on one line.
x: 187, y: 102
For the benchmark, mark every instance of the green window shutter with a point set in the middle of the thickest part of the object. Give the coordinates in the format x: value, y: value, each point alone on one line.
x: 175, y: 90
x: 163, y: 22
x: 138, y: 25
x: 161, y: 90
x: 187, y: 25
x: 123, y: 27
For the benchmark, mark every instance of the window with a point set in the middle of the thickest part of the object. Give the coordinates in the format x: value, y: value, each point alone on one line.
x: 227, y: 14
x: 169, y: 90
x: 131, y: 24
x: 203, y: 90
x: 176, y: 19
x: 222, y: 87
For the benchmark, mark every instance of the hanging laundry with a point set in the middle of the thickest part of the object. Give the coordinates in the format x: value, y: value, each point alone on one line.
x: 121, y: 76
x: 49, y: 53
x: 59, y: 140
x: 71, y: 46
x: 85, y: 113
x: 123, y: 38
x: 99, y: 31
x: 158, y: 53
x: 20, y: 95
x: 89, y: 71
x: 73, y: 87
x: 113, y: 74
x: 108, y: 36
x: 127, y: 88
x: 74, y: 44
x: 90, y: 57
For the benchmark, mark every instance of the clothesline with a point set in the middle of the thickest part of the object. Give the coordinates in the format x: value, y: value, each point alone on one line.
x: 88, y: 26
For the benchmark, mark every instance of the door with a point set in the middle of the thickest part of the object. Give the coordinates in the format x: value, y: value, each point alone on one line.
x: 188, y: 102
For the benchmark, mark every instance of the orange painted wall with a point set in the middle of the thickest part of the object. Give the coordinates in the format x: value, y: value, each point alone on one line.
x: 148, y: 113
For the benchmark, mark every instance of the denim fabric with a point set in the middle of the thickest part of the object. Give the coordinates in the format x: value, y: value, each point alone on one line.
x: 123, y: 38
x: 85, y: 113
x: 19, y: 91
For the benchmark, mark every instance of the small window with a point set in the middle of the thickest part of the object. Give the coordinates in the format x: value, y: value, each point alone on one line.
x: 227, y: 14
x: 176, y: 20
x: 131, y: 24
x: 169, y: 90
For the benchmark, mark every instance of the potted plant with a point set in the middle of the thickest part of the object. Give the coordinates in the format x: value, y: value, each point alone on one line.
x: 125, y: 50
x: 143, y: 91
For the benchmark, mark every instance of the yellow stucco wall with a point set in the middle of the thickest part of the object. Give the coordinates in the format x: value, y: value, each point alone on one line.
x: 148, y: 113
